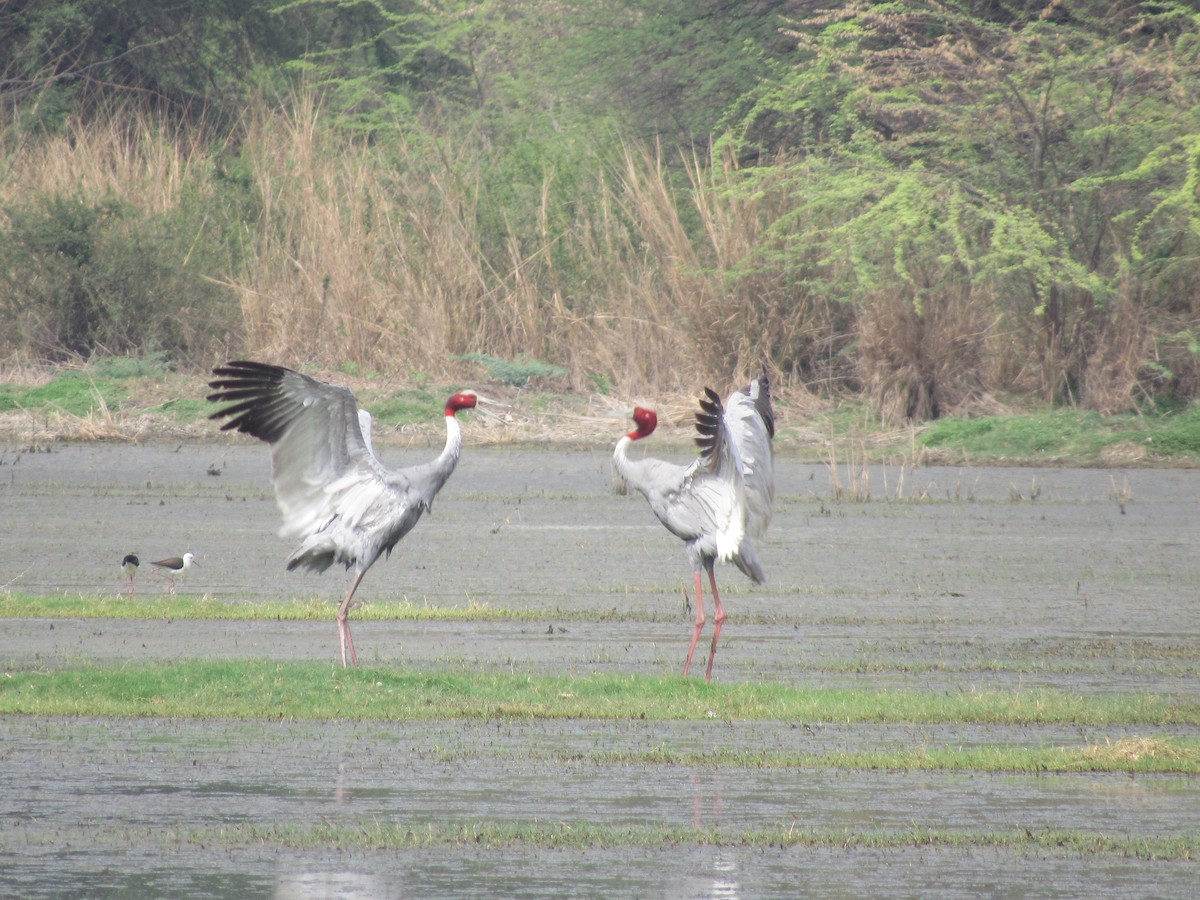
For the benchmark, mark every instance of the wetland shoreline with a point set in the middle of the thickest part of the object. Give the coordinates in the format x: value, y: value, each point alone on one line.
x: 1073, y: 580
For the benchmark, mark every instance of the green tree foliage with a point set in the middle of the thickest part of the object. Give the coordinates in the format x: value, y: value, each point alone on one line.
x: 79, y: 56
x: 79, y: 277
x: 1036, y: 162
x: 669, y: 69
x: 934, y: 203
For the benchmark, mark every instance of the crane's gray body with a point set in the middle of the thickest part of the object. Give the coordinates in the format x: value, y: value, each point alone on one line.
x: 720, y: 503
x: 335, y: 495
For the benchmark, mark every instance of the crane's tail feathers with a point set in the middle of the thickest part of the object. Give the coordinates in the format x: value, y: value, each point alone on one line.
x: 310, y: 562
x: 316, y: 554
x: 747, y: 560
x: 760, y: 392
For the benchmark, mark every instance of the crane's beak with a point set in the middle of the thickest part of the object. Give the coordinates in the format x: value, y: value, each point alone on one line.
x: 503, y: 413
x: 624, y: 413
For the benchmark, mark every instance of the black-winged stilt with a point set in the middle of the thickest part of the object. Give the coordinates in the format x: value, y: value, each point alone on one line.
x: 129, y: 565
x: 174, y: 566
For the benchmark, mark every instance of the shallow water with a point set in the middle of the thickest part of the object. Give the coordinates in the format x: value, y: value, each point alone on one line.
x: 94, y: 789
x: 966, y: 589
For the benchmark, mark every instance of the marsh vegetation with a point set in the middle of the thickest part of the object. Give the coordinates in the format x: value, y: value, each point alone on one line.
x: 1003, y: 698
x: 464, y: 189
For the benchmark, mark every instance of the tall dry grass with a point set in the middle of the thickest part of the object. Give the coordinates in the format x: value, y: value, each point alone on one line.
x: 380, y: 260
x: 925, y: 350
x: 640, y: 275
x: 616, y: 325
x: 377, y: 259
x: 135, y: 155
x: 1122, y: 345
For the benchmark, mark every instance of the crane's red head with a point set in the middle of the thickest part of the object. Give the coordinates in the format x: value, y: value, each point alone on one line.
x: 465, y: 400
x: 646, y: 422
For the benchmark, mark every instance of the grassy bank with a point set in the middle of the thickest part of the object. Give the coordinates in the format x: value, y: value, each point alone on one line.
x: 13, y: 605
x: 259, y: 689
x: 582, y: 836
x: 138, y: 400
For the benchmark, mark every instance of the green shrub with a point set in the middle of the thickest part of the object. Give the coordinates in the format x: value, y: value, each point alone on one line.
x: 516, y: 372
x: 1180, y: 434
x: 72, y: 392
x: 1038, y: 435
x: 79, y: 278
x: 49, y: 303
x: 420, y: 405
x: 152, y: 365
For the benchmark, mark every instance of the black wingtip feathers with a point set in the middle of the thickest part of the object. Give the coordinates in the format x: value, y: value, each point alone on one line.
x: 254, y: 390
x: 708, y: 423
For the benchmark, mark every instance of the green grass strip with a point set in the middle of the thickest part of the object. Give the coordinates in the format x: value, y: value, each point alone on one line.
x: 590, y: 836
x: 28, y: 606
x: 258, y: 689
x: 183, y: 607
x: 1135, y: 755
x: 1134, y: 657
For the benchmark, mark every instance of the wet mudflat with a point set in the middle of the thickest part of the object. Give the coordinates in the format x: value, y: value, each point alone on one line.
x: 957, y: 580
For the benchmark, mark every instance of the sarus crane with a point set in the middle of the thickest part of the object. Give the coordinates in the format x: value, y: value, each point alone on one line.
x: 720, y: 503
x: 335, y: 495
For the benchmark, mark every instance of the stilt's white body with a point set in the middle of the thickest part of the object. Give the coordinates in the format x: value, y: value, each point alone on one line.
x: 174, y: 567
x: 129, y: 566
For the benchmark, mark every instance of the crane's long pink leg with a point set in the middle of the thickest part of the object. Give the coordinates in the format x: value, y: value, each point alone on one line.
x: 699, y: 622
x: 343, y: 621
x: 718, y: 619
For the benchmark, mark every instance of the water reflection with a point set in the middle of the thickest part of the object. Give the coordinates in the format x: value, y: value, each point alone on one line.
x: 702, y: 796
x: 342, y: 885
x: 340, y: 793
x: 725, y: 883
x: 721, y: 883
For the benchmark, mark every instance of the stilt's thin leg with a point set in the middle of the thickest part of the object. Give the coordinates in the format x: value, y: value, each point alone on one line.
x: 699, y: 622
x: 343, y: 621
x: 718, y: 619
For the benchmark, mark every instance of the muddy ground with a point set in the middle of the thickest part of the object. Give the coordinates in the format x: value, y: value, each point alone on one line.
x: 950, y: 579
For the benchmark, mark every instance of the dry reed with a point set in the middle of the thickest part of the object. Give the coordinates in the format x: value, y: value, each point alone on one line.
x: 665, y: 275
x: 858, y: 473
x: 138, y: 157
x: 384, y: 265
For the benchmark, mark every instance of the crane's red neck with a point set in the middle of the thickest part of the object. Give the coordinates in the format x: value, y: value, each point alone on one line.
x: 465, y: 400
x: 646, y: 422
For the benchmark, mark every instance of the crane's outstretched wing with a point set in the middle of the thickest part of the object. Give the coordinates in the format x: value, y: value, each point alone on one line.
x: 321, y: 465
x: 751, y: 426
x: 710, y: 499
